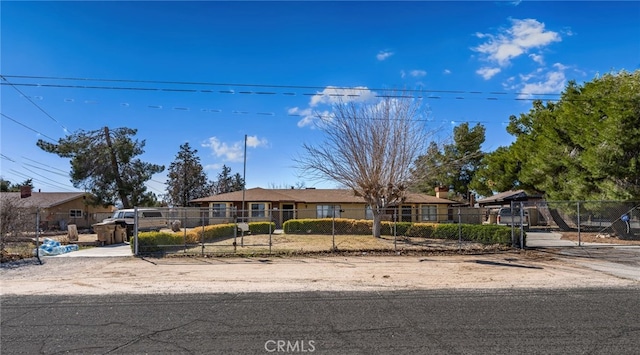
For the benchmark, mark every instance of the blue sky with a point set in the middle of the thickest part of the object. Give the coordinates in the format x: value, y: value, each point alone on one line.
x: 183, y: 72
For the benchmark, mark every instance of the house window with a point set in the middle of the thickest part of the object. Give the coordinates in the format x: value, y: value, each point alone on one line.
x: 327, y: 211
x: 218, y: 210
x: 75, y: 213
x: 258, y: 210
x: 429, y: 213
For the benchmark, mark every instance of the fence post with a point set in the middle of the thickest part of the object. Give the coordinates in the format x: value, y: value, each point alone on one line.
x: 395, y: 227
x: 202, y: 236
x: 459, y: 230
x: 135, y: 230
x: 513, y: 228
x: 270, y: 233
x: 38, y: 235
x: 235, y: 235
x: 184, y: 235
x: 244, y: 220
x: 333, y: 229
x: 579, y: 234
x: 521, y: 225
x: 395, y: 235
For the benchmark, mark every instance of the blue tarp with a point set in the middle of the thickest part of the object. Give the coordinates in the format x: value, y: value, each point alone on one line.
x: 53, y: 247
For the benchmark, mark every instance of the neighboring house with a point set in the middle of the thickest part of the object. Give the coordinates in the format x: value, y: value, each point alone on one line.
x: 280, y: 205
x: 534, y: 204
x: 505, y: 198
x: 59, y: 209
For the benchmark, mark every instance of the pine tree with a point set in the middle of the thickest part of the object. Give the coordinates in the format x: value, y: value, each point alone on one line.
x: 186, y: 178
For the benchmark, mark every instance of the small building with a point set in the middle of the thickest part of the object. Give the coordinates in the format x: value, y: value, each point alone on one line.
x: 490, y: 205
x: 280, y: 205
x: 59, y: 209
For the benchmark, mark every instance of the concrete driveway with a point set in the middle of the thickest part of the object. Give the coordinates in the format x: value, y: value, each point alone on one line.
x: 113, y: 250
x: 618, y: 260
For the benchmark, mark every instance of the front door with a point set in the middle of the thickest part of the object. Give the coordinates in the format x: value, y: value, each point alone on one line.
x: 405, y: 214
x: 287, y: 212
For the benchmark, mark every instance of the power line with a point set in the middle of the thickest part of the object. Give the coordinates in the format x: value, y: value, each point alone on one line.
x: 33, y: 103
x: 7, y: 158
x: 42, y: 176
x: 257, y: 86
x: 24, y: 176
x: 53, y: 172
x: 48, y: 166
x: 27, y: 127
x: 24, y: 166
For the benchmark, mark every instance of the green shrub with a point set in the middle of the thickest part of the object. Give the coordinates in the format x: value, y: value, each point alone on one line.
x: 215, y: 232
x: 420, y: 230
x: 486, y: 234
x: 150, y: 242
x: 387, y: 227
x: 342, y: 226
x: 308, y: 226
x: 261, y: 227
x: 356, y: 226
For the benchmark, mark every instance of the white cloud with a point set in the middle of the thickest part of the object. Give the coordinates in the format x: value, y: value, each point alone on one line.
x: 332, y: 95
x: 213, y: 166
x: 487, y: 73
x: 382, y: 55
x: 446, y: 72
x: 523, y: 36
x: 416, y: 73
x: 309, y: 117
x: 232, y: 152
x: 255, y: 142
x: 537, y: 58
x: 550, y: 82
x: 315, y: 114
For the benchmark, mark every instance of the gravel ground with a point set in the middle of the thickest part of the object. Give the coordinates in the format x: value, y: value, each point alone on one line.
x: 122, y: 275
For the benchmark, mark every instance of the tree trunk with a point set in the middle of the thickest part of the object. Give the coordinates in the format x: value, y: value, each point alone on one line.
x: 114, y: 165
x: 377, y: 225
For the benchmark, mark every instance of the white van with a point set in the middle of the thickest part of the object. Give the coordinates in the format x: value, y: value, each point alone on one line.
x: 149, y: 219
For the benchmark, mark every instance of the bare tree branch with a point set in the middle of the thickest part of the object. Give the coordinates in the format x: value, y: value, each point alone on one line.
x: 369, y: 147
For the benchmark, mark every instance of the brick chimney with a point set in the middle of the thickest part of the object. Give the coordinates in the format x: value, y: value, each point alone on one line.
x: 25, y: 191
x: 442, y: 191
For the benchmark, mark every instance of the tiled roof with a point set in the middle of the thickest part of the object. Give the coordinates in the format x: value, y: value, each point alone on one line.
x: 308, y: 196
x: 41, y: 199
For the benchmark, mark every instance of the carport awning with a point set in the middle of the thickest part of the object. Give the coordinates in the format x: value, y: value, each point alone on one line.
x: 506, y: 197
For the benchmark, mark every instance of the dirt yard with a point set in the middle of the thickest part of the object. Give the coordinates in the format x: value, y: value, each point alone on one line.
x: 597, y: 238
x: 124, y: 275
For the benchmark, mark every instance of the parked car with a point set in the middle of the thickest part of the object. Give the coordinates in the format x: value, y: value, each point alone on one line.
x: 516, y: 217
x: 149, y: 219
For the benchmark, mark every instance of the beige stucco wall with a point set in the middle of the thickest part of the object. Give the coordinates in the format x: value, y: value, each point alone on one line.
x: 351, y: 210
x: 274, y: 210
x: 59, y: 216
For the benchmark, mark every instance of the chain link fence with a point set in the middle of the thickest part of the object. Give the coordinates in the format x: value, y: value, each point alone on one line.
x: 209, y: 231
x: 25, y: 228
x: 203, y: 231
x: 589, y: 222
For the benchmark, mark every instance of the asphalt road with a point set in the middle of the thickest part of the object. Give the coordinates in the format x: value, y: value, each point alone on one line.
x: 576, y: 321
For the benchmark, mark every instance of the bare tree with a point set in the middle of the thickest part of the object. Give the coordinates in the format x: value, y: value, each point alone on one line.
x: 16, y: 224
x: 369, y: 147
